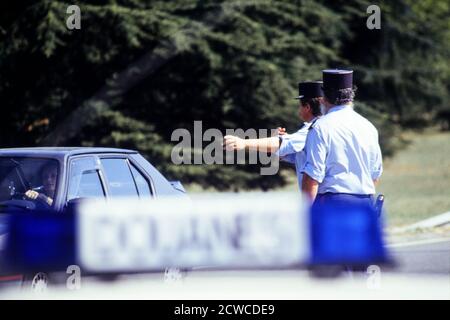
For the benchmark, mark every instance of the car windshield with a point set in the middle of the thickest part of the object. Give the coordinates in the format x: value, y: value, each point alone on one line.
x: 26, y: 180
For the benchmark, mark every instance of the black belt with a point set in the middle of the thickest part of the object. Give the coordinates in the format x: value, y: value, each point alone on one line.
x: 346, y: 194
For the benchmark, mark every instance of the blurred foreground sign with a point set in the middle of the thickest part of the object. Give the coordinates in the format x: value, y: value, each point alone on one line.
x: 213, y: 230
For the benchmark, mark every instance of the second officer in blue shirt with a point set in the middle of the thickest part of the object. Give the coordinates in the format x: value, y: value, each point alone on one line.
x: 286, y: 146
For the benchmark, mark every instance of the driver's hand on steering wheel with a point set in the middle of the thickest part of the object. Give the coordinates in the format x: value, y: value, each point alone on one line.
x: 33, y: 195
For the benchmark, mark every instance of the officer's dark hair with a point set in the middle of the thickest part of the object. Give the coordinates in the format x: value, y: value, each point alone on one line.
x: 314, y: 104
x: 338, y: 97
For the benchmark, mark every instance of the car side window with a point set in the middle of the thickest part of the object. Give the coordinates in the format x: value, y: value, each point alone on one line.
x: 119, y: 178
x: 84, y: 180
x: 141, y: 183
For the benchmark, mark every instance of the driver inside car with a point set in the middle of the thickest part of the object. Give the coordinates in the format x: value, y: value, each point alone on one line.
x: 45, y: 193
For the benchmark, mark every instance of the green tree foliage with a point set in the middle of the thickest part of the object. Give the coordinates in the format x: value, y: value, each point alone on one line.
x: 403, y: 69
x: 137, y: 70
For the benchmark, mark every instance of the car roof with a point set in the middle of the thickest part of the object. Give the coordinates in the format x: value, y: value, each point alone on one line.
x: 59, y: 152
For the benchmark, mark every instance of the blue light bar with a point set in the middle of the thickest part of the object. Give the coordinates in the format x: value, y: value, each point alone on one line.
x: 41, y: 241
x: 344, y: 233
x: 340, y: 233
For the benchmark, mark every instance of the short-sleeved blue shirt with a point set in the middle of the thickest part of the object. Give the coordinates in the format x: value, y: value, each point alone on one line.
x: 293, y: 144
x: 342, y: 153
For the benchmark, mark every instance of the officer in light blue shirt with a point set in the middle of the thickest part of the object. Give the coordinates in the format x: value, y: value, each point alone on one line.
x: 287, y: 145
x: 342, y: 157
x: 291, y: 148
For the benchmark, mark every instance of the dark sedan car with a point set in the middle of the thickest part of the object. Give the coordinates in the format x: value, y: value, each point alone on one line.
x: 52, y: 179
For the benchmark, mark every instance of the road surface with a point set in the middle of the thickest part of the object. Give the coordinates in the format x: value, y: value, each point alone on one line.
x: 424, y: 257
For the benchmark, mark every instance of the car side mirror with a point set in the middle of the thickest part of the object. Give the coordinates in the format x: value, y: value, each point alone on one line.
x: 73, y: 204
x: 178, y: 186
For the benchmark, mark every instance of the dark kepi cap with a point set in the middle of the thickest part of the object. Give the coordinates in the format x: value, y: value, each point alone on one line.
x: 309, y: 90
x: 335, y: 79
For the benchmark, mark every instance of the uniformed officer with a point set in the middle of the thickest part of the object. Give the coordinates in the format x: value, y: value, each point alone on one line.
x: 342, y: 155
x: 287, y: 145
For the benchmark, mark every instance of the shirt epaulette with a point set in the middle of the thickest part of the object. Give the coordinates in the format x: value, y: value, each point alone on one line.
x: 312, y: 124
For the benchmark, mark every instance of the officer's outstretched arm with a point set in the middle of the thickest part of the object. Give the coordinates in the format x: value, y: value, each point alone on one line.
x: 310, y: 187
x: 271, y: 144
